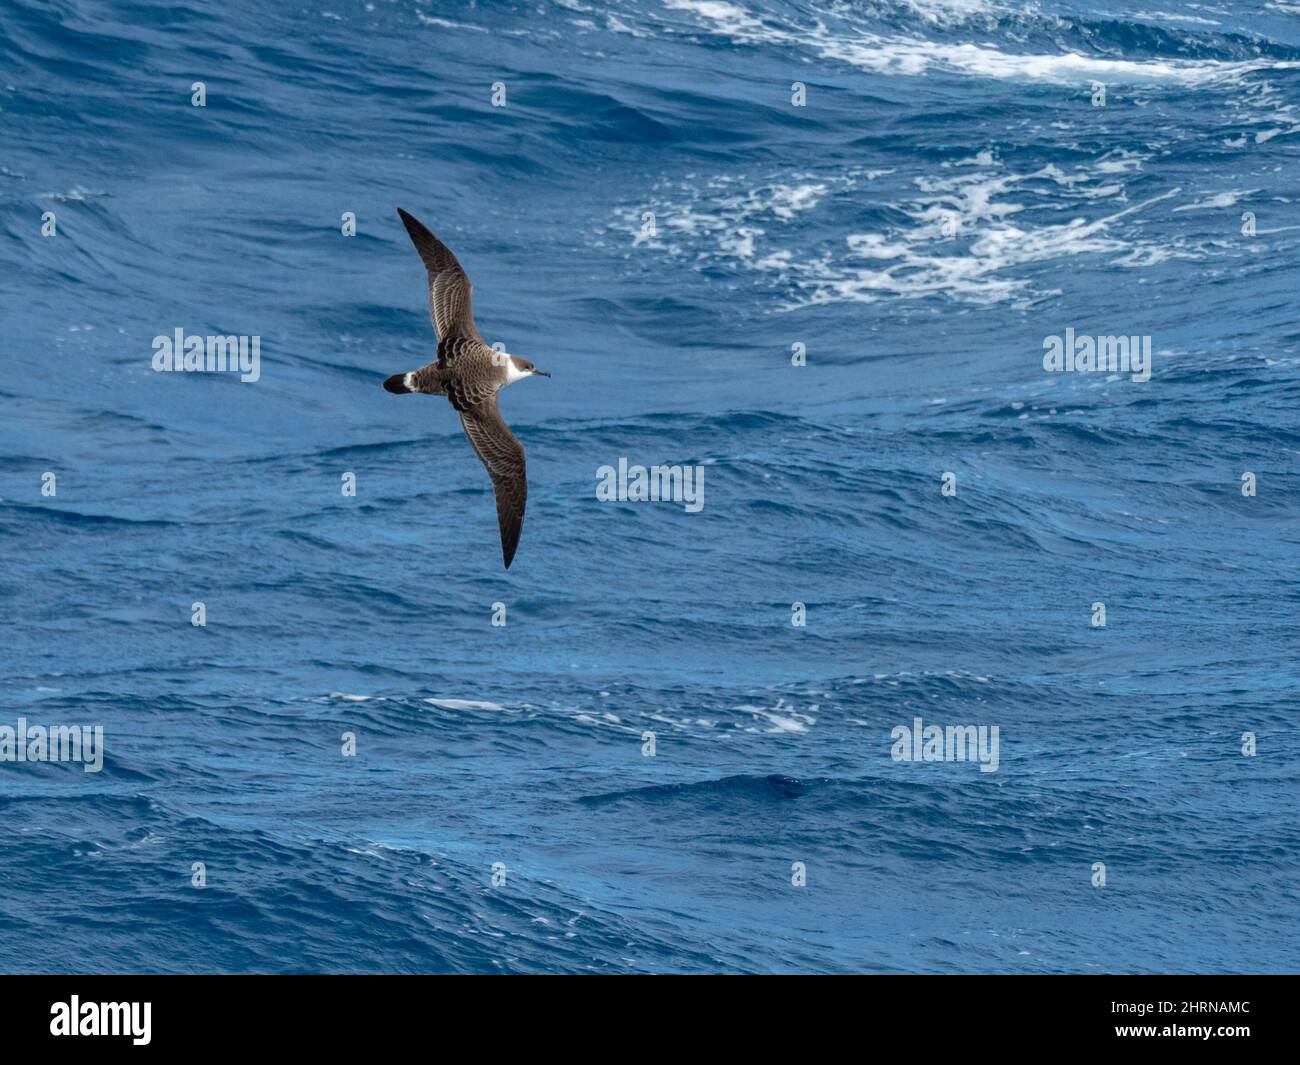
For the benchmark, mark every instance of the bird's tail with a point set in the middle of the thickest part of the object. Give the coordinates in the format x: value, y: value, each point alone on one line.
x: 428, y: 380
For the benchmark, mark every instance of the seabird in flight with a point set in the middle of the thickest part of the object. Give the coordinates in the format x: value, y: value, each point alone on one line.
x: 470, y: 374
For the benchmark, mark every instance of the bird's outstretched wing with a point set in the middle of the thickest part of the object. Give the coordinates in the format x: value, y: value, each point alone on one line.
x: 449, y: 285
x: 503, y: 456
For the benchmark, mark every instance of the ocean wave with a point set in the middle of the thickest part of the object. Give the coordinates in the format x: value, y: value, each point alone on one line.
x: 745, y: 788
x: 914, y: 56
x: 967, y: 233
x: 837, y: 312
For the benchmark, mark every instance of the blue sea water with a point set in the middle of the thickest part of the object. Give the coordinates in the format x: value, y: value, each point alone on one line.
x: 650, y: 217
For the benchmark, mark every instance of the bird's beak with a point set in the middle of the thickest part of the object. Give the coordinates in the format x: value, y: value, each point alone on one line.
x: 541, y: 373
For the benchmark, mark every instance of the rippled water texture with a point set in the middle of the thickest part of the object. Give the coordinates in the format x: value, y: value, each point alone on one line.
x: 650, y: 217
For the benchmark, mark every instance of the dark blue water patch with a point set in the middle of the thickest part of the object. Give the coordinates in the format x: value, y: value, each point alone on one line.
x: 524, y: 745
x: 741, y: 788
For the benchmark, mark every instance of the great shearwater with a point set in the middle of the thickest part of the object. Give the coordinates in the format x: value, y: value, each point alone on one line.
x: 470, y: 374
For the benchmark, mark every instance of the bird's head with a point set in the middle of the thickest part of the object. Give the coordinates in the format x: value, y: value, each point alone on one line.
x: 519, y: 368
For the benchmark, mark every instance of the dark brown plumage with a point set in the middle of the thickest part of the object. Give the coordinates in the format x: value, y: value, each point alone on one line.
x: 470, y: 374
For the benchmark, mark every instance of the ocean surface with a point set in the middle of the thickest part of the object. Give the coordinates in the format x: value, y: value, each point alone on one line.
x: 816, y: 250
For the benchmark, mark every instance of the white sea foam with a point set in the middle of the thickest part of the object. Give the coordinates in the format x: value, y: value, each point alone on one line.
x: 930, y: 261
x: 1223, y: 199
x: 617, y: 25
x: 723, y: 217
x: 76, y: 194
x: 1165, y: 16
x: 447, y: 24
x: 948, y: 12
x: 465, y: 704
x: 917, y: 56
x: 732, y: 218
x: 970, y: 226
x: 1277, y: 131
x: 782, y: 718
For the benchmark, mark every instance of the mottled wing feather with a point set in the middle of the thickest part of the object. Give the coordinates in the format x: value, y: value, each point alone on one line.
x: 503, y: 456
x: 468, y: 392
x: 449, y: 285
